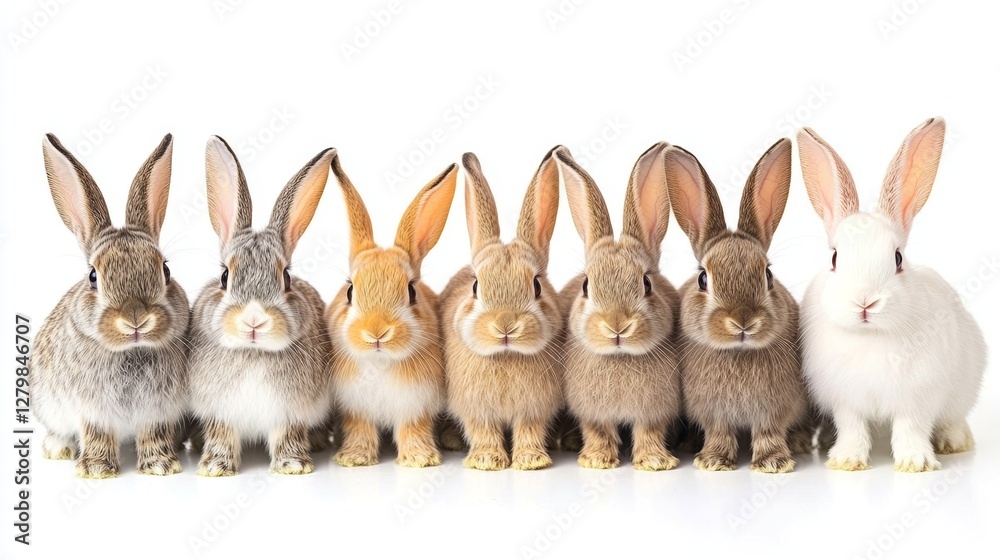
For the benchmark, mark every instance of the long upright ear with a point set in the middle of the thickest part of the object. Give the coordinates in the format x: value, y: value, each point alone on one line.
x: 538, y: 212
x: 425, y: 217
x: 647, y: 202
x: 910, y: 176
x: 828, y: 181
x: 694, y: 199
x: 766, y: 192
x: 78, y: 200
x: 229, y: 204
x: 480, y: 208
x: 586, y: 204
x: 362, y: 237
x: 297, y: 202
x: 147, y: 198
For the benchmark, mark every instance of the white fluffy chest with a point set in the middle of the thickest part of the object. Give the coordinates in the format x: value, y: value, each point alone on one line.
x: 374, y: 392
x: 253, y: 407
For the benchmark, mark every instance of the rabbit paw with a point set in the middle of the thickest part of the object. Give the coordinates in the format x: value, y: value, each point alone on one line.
x: 355, y: 459
x: 598, y: 460
x: 216, y: 466
x: 953, y: 441
x: 160, y: 466
x: 714, y: 462
x: 55, y: 447
x: 94, y: 467
x: 778, y: 463
x: 487, y: 460
x: 917, y: 463
x: 419, y: 460
x: 531, y: 460
x: 292, y: 466
x: 655, y: 462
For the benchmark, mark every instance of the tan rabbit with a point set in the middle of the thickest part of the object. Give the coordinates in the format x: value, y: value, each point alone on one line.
x: 621, y: 358
x: 110, y: 362
x: 741, y: 365
x: 388, y: 370
x: 502, y: 323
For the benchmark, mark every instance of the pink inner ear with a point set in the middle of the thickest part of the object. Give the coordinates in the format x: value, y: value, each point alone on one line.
x: 921, y: 158
x: 159, y: 187
x: 691, y: 203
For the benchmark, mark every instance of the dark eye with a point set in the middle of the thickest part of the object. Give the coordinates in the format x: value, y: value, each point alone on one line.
x: 413, y: 293
x: 835, y: 259
x: 166, y: 273
x: 770, y: 278
x: 475, y: 289
x: 225, y: 278
x: 93, y: 278
x: 899, y: 261
x: 350, y: 293
x: 647, y: 285
x: 586, y: 285
x: 538, y: 288
x: 287, y: 277
x: 703, y: 281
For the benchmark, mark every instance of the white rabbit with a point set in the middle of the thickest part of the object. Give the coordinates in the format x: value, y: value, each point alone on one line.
x: 885, y: 339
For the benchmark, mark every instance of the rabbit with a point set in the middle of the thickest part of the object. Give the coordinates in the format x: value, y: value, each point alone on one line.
x: 110, y: 362
x: 388, y: 372
x: 621, y: 357
x: 502, y: 327
x: 885, y: 339
x: 741, y: 366
x: 260, y: 349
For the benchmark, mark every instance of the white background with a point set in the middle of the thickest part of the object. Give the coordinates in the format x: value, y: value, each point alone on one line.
x: 604, y: 78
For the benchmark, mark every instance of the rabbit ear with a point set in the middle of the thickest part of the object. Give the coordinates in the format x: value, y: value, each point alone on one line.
x: 766, y: 192
x: 229, y: 204
x: 694, y: 199
x: 424, y: 219
x: 297, y: 202
x: 538, y: 212
x: 910, y: 176
x: 647, y: 203
x: 78, y: 200
x: 362, y: 237
x: 147, y: 198
x: 480, y: 208
x: 828, y: 181
x: 586, y: 204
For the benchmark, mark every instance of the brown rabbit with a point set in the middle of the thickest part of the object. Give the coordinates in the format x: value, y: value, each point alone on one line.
x: 502, y: 324
x: 621, y: 359
x: 741, y: 365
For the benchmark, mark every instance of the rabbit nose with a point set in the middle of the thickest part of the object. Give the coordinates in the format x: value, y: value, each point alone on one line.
x: 506, y: 328
x: 135, y: 319
x: 256, y: 318
x: 743, y: 326
x: 378, y: 336
x: 618, y: 329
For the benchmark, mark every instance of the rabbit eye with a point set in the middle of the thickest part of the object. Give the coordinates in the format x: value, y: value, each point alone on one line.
x: 770, y: 278
x: 350, y: 294
x: 475, y: 289
x: 225, y: 278
x: 287, y: 277
x: 647, y: 284
x: 538, y: 288
x: 703, y: 281
x: 166, y: 273
x: 93, y: 278
x: 413, y: 293
x: 586, y: 286
x: 899, y: 261
x: 834, y: 259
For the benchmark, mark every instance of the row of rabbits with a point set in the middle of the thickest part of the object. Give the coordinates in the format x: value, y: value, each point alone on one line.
x: 500, y: 349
